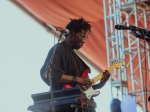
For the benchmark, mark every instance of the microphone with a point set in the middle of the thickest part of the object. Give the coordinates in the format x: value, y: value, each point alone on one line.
x: 139, y: 32
x: 65, y: 31
x: 133, y: 28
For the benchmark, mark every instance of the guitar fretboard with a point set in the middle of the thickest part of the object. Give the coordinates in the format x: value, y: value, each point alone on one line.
x: 99, y: 76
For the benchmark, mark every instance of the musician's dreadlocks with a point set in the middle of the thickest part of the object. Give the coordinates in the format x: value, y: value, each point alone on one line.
x: 76, y: 25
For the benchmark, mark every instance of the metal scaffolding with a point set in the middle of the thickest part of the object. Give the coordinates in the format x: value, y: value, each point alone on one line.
x: 124, y: 46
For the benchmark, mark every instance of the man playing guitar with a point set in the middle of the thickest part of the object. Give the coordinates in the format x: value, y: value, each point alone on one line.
x: 67, y: 68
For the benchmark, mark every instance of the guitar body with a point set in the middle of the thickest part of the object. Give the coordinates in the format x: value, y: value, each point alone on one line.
x: 90, y: 92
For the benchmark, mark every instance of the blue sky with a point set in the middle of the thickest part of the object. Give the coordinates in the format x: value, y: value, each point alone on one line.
x: 24, y: 45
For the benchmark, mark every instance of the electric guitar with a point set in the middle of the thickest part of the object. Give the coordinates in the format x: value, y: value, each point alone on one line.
x: 90, y: 92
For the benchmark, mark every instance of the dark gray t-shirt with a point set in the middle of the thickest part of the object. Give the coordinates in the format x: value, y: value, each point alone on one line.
x: 65, y: 61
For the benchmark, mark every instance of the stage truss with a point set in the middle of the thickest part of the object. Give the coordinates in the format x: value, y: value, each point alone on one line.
x: 124, y: 46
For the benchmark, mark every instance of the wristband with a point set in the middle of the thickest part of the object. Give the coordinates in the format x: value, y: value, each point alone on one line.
x: 74, y: 79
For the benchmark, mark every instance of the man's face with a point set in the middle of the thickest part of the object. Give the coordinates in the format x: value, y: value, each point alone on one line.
x: 78, y: 39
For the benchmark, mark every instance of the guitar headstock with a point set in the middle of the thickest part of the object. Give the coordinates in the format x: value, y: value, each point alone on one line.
x: 118, y: 64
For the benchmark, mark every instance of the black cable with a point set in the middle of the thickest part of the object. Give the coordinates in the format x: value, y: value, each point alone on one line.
x: 145, y: 73
x: 50, y: 80
x: 50, y: 72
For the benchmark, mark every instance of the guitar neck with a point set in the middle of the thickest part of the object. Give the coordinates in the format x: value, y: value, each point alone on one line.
x: 99, y: 76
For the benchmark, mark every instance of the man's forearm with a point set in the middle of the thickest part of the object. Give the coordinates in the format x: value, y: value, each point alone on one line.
x: 100, y: 84
x: 65, y: 79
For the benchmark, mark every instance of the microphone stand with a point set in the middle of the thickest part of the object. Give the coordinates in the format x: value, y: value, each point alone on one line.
x: 49, y: 70
x: 146, y: 38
